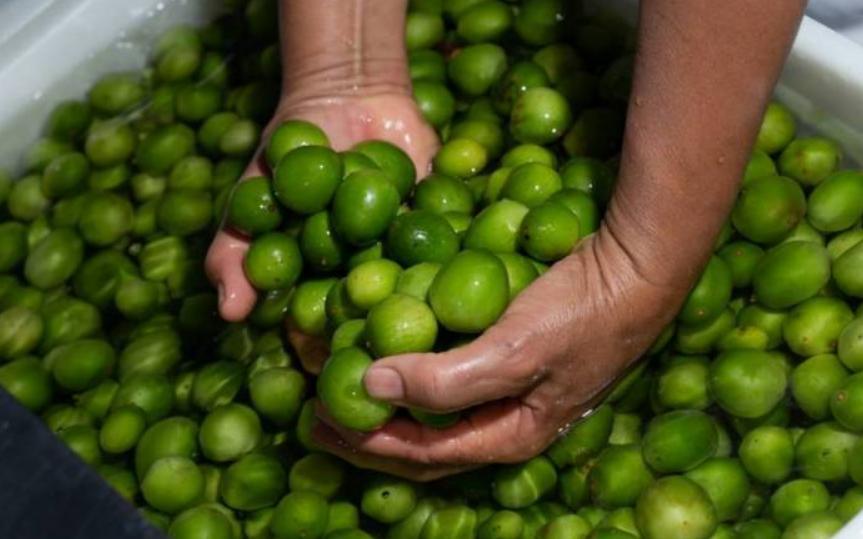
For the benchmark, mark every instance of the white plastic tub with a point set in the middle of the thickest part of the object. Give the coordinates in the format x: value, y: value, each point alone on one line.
x: 51, y: 50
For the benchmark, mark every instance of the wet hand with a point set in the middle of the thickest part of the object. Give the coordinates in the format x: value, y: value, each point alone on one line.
x: 347, y: 120
x: 547, y: 361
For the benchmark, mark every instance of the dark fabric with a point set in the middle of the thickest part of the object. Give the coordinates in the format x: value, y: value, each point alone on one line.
x: 46, y: 492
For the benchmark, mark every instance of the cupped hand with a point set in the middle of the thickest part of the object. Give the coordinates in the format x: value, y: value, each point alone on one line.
x: 347, y: 120
x: 547, y: 361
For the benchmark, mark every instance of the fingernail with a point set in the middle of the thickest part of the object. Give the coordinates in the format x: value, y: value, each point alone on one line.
x: 385, y: 384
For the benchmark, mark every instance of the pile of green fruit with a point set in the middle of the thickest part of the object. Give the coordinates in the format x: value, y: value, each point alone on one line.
x: 744, y: 420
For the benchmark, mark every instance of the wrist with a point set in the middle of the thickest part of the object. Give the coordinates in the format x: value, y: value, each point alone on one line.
x: 334, y: 48
x: 325, y: 78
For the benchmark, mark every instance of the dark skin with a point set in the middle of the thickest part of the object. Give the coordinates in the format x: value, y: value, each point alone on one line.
x: 704, y: 73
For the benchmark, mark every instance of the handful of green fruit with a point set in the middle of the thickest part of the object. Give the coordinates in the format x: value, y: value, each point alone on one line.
x: 743, y: 421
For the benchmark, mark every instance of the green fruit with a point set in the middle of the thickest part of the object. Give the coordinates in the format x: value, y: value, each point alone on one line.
x: 837, y: 202
x: 400, y: 324
x: 172, y: 484
x: 253, y: 209
x: 741, y: 257
x: 65, y: 175
x: 810, y: 160
x: 679, y: 441
x: 300, y: 515
x: 476, y: 68
x: 306, y: 178
x: 81, y: 365
x: 709, y: 296
x: 105, y: 219
x: 174, y: 436
x: 582, y: 206
x: 684, y: 383
x: 291, y: 135
x: 822, y: 524
x: 277, y: 393
x: 435, y: 102
x: 229, y: 432
x: 460, y: 158
x: 814, y: 382
x: 759, y: 166
x: 371, y: 282
x: 441, y: 194
x: 677, y: 507
x: 54, y: 259
x: 254, y: 482
x: 619, y: 476
x: 822, y: 452
x: 747, y: 383
x: 273, y: 261
x: 777, y: 129
x: 28, y: 382
x: 767, y: 453
x: 540, y: 116
x: 341, y: 391
x: 484, y: 22
x: 540, y: 22
x: 496, y: 228
x: 308, y: 306
x: 364, y: 205
x: 419, y: 236
x: 320, y: 473
x: 797, y: 498
x: 470, y: 292
x: 201, y: 521
x: 521, y: 485
x: 791, y: 273
x: 845, y: 272
x: 423, y: 30
x: 388, y: 500
x: 531, y: 184
x: 726, y: 484
x: 185, y: 212
x: 393, y: 161
x: 850, y: 347
x: 768, y: 209
x: 813, y: 326
x: 549, y: 232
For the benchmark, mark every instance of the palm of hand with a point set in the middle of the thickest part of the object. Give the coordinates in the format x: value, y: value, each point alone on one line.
x: 347, y: 121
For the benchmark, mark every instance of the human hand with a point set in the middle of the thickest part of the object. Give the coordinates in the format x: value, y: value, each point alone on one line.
x: 547, y: 361
x: 347, y: 120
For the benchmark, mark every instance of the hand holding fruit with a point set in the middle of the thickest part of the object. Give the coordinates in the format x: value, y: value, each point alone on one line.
x: 547, y: 361
x: 347, y: 121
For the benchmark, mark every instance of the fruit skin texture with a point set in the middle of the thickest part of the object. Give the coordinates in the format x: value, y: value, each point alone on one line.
x: 273, y: 261
x: 747, y: 383
x: 710, y: 295
x: 400, y: 324
x: 341, y: 390
x: 679, y: 441
x: 768, y: 209
x: 363, y: 206
x: 470, y: 292
x: 792, y: 272
x: 675, y: 506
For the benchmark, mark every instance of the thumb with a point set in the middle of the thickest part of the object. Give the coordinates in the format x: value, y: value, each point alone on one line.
x: 492, y: 367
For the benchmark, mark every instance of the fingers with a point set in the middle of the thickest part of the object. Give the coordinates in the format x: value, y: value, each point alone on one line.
x: 332, y: 442
x: 224, y: 266
x: 312, y: 351
x: 492, y: 367
x: 224, y: 263
x: 501, y: 432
